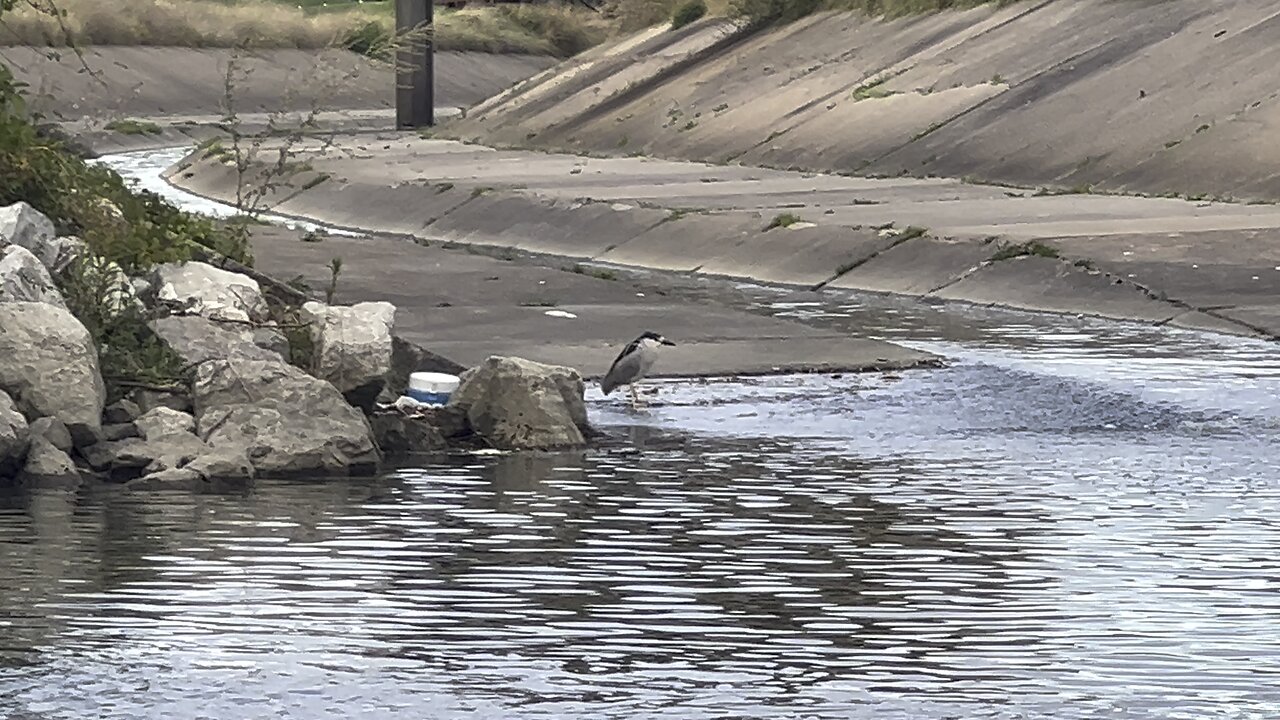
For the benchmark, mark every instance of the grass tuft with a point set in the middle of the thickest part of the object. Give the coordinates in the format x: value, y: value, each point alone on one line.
x: 1031, y: 247
x: 364, y: 27
x: 782, y: 220
x: 133, y: 127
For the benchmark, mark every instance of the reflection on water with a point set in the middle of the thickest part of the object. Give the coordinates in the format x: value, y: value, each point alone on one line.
x: 1071, y: 520
x: 1003, y: 538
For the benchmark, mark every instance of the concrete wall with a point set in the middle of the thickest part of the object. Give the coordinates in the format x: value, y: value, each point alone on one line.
x: 169, y: 81
x: 1177, y: 96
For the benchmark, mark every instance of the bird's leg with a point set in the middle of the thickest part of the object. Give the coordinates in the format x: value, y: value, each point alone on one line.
x: 635, y: 399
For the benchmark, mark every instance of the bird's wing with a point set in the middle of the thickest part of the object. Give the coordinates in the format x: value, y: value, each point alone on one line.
x: 630, y: 348
x: 622, y: 371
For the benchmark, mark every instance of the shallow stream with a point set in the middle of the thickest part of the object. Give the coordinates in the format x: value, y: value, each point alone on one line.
x: 1074, y: 519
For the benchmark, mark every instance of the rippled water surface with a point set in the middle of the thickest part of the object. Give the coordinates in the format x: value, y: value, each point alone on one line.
x: 1072, y: 520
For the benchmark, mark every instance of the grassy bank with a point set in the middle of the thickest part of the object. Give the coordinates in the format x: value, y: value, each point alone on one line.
x: 558, y: 29
x: 365, y: 27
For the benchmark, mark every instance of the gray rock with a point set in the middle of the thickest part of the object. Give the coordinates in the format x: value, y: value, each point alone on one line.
x: 202, y: 289
x: 149, y: 400
x: 173, y: 450
x: 273, y: 341
x: 24, y: 226
x: 47, y: 463
x: 15, y: 438
x: 168, y: 479
x: 223, y: 464
x: 113, y: 288
x: 59, y: 253
x: 518, y: 404
x: 198, y: 340
x: 121, y: 411
x: 352, y: 347
x: 49, y: 366
x: 161, y: 421
x: 400, y: 434
x: 124, y: 460
x: 53, y: 430
x: 23, y: 278
x: 284, y: 420
x: 408, y: 358
x: 119, y: 431
x: 450, y: 420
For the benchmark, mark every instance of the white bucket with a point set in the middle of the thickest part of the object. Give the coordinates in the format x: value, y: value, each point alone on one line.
x: 432, y: 388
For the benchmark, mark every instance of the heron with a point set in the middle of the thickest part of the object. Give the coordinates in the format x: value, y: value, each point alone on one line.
x: 633, y: 363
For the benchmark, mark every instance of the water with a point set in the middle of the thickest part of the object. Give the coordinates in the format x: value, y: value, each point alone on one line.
x: 1074, y: 519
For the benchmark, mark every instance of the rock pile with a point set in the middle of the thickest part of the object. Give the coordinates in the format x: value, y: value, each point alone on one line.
x: 246, y: 410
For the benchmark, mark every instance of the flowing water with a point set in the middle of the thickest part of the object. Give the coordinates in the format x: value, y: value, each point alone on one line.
x: 1073, y: 519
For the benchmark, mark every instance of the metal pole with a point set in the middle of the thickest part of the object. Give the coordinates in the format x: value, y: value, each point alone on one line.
x: 415, y: 67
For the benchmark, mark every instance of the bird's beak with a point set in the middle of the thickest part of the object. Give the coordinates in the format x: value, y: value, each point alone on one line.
x: 667, y: 342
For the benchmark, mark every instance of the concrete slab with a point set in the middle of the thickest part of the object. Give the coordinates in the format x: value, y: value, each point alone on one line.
x: 686, y: 243
x: 799, y: 255
x: 467, y: 307
x: 1264, y: 318
x: 1204, y: 255
x: 1041, y: 283
x: 160, y: 81
x: 567, y: 228
x: 917, y: 266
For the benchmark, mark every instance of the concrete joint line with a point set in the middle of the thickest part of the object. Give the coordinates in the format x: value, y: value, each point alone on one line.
x: 938, y: 126
x: 630, y: 92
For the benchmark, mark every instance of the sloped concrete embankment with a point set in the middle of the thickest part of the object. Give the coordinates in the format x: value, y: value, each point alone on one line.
x: 924, y: 237
x: 180, y: 92
x: 1168, y: 97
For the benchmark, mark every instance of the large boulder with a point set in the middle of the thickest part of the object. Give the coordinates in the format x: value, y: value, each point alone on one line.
x: 49, y: 366
x: 198, y: 339
x: 352, y: 347
x: 161, y: 421
x: 285, y: 421
x: 124, y: 460
x: 400, y: 434
x: 518, y: 404
x: 14, y: 438
x: 408, y: 358
x: 24, y: 226
x: 201, y: 289
x: 48, y: 464
x: 23, y: 278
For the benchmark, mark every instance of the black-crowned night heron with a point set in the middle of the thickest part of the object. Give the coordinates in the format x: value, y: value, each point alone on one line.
x: 633, y: 363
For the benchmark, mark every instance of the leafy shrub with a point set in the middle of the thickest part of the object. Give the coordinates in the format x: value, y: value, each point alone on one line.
x: 688, y: 12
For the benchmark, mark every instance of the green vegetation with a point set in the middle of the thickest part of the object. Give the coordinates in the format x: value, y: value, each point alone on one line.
x: 872, y: 90
x: 600, y: 273
x: 133, y: 127
x: 125, y: 231
x: 1031, y: 247
x: 782, y: 220
x: 364, y: 27
x: 689, y: 11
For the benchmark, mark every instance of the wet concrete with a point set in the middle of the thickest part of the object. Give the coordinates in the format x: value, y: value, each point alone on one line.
x: 467, y: 306
x: 1113, y: 256
x: 1073, y: 520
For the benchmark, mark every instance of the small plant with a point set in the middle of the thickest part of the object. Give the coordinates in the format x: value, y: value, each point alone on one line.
x: 998, y: 79
x: 134, y: 127
x: 782, y: 220
x: 688, y: 12
x: 599, y: 273
x: 911, y: 233
x: 335, y: 271
x: 873, y: 90
x: 312, y: 236
x: 1031, y: 247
